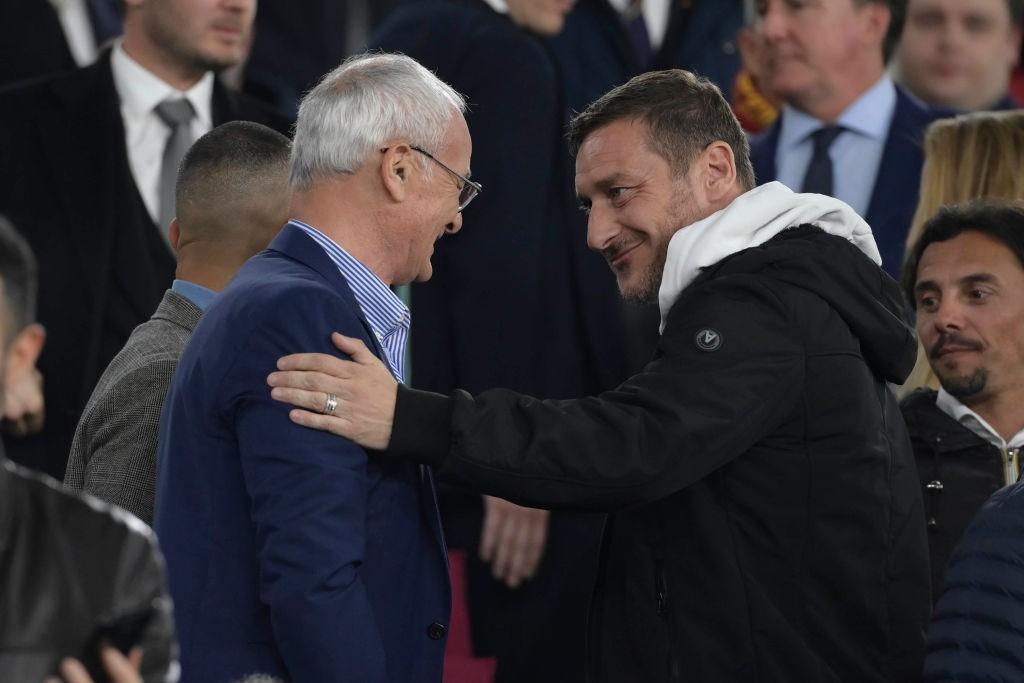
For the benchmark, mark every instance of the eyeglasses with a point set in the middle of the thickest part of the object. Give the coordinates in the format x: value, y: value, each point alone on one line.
x: 467, y: 191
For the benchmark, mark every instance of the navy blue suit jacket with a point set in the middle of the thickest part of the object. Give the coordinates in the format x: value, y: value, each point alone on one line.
x: 894, y: 197
x: 289, y: 552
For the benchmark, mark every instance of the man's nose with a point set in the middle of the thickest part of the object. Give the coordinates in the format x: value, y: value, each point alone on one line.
x: 601, y: 230
x: 455, y: 225
x: 773, y: 23
x: 949, y: 315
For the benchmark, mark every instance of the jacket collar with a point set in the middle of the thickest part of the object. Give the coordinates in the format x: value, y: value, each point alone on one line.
x: 749, y: 221
x: 178, y: 310
x: 297, y: 245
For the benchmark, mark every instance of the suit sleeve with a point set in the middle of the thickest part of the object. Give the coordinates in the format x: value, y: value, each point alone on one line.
x: 308, y: 504
x: 689, y: 412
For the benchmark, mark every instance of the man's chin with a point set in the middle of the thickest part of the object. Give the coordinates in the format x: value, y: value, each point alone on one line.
x: 965, y: 385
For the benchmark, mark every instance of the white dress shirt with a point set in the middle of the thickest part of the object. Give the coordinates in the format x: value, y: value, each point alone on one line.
x: 74, y: 20
x: 977, y: 424
x: 856, y: 153
x: 145, y: 133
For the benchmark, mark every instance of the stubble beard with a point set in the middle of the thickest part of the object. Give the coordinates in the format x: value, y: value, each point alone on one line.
x: 967, y: 386
x: 645, y: 291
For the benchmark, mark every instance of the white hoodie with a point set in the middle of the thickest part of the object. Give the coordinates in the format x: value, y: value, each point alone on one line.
x: 750, y: 220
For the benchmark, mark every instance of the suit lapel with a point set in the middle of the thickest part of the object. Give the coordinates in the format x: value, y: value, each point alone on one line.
x: 223, y: 105
x: 895, y: 193
x: 900, y: 160
x: 179, y: 310
x: 296, y: 244
x: 762, y: 154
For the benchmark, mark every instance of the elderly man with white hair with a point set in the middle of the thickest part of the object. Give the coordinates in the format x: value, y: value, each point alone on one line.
x: 288, y: 552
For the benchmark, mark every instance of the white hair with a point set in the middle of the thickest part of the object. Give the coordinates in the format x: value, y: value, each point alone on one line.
x: 355, y: 109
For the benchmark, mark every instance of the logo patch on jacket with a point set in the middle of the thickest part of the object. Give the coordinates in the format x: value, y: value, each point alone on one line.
x: 708, y: 339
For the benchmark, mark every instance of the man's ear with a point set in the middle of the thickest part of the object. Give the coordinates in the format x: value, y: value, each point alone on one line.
x: 718, y: 171
x: 877, y: 17
x: 174, y: 233
x: 396, y: 170
x: 23, y: 352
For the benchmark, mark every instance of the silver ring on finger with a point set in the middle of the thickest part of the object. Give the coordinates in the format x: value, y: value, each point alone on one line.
x: 330, y: 405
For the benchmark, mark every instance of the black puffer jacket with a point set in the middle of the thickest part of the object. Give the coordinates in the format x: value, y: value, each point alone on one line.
x: 768, y: 522
x: 959, y: 471
x: 977, y: 633
x: 68, y: 562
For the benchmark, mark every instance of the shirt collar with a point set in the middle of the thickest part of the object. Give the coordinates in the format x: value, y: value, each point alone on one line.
x: 499, y: 6
x: 140, y: 90
x: 869, y: 115
x: 974, y: 422
x: 201, y: 296
x: 383, y: 309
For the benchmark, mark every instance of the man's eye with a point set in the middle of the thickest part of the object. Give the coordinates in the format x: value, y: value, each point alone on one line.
x: 927, y: 303
x: 616, y: 193
x: 978, y: 294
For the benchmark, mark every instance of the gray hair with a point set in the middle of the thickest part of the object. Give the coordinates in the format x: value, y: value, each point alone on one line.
x: 369, y: 99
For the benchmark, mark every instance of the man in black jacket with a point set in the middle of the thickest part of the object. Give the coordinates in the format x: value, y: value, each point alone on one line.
x: 68, y: 564
x: 86, y: 163
x: 767, y: 520
x: 965, y: 277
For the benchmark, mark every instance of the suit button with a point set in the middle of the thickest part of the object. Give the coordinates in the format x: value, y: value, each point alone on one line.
x: 436, y: 631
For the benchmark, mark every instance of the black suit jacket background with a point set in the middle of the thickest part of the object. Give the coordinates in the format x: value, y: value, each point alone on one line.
x: 66, y: 184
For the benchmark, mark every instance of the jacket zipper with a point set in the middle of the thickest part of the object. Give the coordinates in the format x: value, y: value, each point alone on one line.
x: 1011, y: 464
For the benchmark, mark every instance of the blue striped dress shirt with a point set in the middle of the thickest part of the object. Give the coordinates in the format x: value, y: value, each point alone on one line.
x: 388, y: 317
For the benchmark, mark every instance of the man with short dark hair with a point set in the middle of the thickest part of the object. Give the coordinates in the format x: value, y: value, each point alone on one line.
x: 845, y: 129
x: 965, y: 277
x: 232, y: 198
x: 88, y: 162
x: 68, y: 564
x: 959, y: 54
x: 767, y: 520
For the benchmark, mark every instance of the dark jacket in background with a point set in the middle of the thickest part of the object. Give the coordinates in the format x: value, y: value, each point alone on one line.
x: 32, y: 42
x: 977, y: 631
x: 67, y: 564
x: 103, y: 265
x: 768, y: 522
x: 499, y: 310
x: 959, y: 471
x: 894, y: 197
x: 296, y: 43
x: 592, y: 55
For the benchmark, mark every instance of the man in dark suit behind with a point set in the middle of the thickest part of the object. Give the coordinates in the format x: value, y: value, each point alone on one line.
x: 314, y: 564
x: 845, y: 129
x: 82, y: 173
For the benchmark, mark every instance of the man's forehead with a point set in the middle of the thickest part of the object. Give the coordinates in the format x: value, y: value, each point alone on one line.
x: 962, y: 6
x: 967, y: 254
x: 614, y: 148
